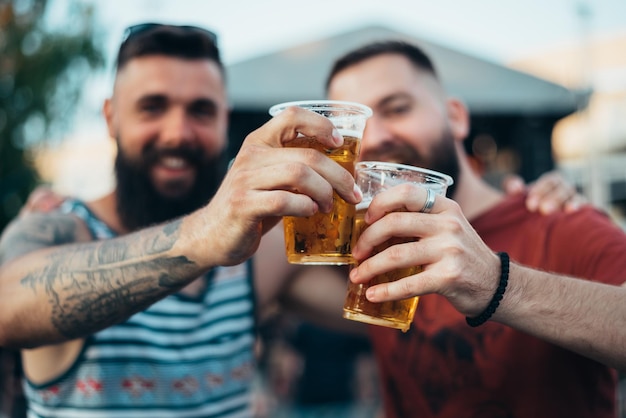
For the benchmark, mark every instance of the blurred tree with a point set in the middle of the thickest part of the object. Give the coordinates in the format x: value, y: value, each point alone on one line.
x: 42, y: 72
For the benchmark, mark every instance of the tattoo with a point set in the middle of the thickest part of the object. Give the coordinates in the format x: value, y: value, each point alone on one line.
x: 35, y: 232
x: 103, y: 296
x: 91, y: 286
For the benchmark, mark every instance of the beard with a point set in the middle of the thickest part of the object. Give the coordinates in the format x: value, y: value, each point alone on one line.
x: 443, y: 157
x: 140, y: 204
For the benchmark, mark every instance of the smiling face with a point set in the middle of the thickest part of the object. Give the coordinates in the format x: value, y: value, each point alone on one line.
x: 413, y: 122
x: 169, y: 117
x: 162, y: 105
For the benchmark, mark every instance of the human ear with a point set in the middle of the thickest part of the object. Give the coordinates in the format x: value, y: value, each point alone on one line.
x: 458, y: 116
x: 109, y: 116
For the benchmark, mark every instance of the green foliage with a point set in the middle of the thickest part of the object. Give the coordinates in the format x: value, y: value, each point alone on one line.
x: 42, y: 72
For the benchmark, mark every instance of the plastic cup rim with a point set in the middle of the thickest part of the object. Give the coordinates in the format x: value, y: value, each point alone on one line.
x: 322, y: 104
x: 446, y: 178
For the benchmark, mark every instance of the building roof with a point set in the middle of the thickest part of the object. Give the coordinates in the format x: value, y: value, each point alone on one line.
x: 298, y: 73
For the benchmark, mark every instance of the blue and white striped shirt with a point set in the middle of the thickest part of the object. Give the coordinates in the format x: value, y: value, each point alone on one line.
x: 181, y: 357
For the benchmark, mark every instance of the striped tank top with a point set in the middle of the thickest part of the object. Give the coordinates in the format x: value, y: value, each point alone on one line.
x: 182, y: 357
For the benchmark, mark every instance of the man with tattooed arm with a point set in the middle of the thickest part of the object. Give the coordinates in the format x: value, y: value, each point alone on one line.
x: 82, y: 281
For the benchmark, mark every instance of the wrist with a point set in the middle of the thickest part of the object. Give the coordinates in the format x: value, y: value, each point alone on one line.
x: 494, y: 303
x: 191, y: 241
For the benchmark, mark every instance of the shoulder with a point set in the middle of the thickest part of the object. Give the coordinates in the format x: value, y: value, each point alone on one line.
x: 569, y: 229
x: 40, y: 230
x: 510, y: 213
x: 588, y: 220
x: 590, y: 242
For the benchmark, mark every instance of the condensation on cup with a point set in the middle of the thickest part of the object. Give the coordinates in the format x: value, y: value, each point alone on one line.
x: 325, y: 238
x: 374, y: 177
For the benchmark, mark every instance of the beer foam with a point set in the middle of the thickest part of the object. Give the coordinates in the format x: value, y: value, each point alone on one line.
x: 352, y: 133
x: 364, y: 204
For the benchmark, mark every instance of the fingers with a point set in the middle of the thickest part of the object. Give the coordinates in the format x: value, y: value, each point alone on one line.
x: 513, y: 184
x: 297, y: 191
x: 465, y: 274
x: 293, y: 168
x: 268, y: 180
x: 295, y: 121
x: 297, y: 170
x: 456, y: 261
x: 395, y: 257
x: 550, y: 193
x: 396, y: 213
x: 415, y: 285
x: 404, y: 197
x: 575, y: 203
x: 42, y: 199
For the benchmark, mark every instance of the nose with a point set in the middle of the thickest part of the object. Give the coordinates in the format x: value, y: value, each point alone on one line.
x: 177, y: 128
x: 375, y: 134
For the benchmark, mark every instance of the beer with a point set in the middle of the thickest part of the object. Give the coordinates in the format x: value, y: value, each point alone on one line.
x: 374, y: 177
x: 393, y: 314
x: 324, y: 238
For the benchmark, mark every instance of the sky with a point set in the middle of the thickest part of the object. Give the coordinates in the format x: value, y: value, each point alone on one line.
x: 497, y: 30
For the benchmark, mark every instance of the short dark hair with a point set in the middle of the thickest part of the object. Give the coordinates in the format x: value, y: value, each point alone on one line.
x: 187, y: 42
x: 412, y: 52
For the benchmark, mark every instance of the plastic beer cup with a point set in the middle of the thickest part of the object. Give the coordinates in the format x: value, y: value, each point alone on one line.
x: 325, y: 238
x: 374, y: 177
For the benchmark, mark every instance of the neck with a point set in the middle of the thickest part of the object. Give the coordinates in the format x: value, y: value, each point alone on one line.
x: 472, y: 193
x: 105, y: 208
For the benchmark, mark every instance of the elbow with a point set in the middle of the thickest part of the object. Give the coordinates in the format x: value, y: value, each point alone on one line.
x: 6, y: 335
x: 7, y: 340
x: 18, y: 331
x: 14, y: 341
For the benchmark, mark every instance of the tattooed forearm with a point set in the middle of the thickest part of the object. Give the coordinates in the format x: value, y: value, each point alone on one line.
x: 95, y: 285
x: 88, y: 307
x: 141, y: 245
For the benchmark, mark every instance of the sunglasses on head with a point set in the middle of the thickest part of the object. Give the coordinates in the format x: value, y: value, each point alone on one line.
x: 143, y: 27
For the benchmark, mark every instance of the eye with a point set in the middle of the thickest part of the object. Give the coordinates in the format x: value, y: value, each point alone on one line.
x: 152, y: 106
x: 203, y: 109
x: 397, y: 109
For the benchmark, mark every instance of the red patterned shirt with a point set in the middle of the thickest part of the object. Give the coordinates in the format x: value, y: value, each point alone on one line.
x: 444, y: 368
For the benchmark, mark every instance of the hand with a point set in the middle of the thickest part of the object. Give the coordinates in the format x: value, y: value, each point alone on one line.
x: 548, y: 194
x: 457, y: 263
x: 267, y: 181
x: 41, y: 199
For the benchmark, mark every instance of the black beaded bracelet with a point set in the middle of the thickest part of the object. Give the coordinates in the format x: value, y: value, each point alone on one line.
x: 497, y: 297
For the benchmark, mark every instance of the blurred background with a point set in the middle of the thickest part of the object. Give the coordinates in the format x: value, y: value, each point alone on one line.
x: 545, y: 82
